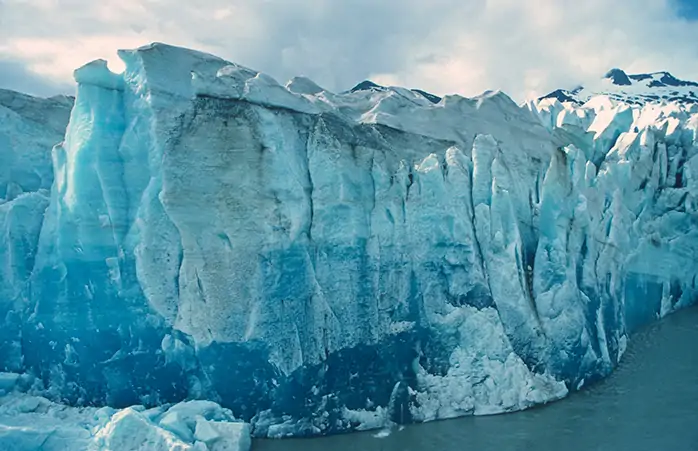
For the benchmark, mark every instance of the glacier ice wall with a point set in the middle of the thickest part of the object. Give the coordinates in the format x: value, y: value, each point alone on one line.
x: 320, y: 262
x: 29, y: 128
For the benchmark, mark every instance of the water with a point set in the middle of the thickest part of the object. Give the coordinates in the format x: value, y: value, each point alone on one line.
x: 649, y: 403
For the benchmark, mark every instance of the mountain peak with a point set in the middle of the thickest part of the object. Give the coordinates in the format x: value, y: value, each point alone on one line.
x: 618, y: 77
x: 367, y: 85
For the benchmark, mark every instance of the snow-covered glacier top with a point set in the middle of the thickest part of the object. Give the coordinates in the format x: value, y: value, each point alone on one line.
x: 638, y: 89
x: 196, y: 74
x: 319, y: 262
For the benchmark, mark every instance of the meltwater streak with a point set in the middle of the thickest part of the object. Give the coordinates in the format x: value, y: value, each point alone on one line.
x: 649, y: 403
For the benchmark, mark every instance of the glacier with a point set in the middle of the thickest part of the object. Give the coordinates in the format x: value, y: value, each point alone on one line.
x: 321, y: 262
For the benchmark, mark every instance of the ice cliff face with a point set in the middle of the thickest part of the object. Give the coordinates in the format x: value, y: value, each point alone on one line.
x: 29, y: 128
x: 320, y: 262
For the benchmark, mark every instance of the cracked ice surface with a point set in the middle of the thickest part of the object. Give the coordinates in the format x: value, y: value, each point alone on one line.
x: 320, y: 262
x: 30, y: 422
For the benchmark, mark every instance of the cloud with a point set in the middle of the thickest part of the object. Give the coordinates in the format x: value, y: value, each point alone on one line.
x: 16, y: 76
x: 444, y: 46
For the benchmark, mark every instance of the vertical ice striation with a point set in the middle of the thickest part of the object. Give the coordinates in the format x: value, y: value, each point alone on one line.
x: 320, y: 262
x: 29, y: 128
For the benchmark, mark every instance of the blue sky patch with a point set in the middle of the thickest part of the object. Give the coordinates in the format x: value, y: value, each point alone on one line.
x: 688, y: 9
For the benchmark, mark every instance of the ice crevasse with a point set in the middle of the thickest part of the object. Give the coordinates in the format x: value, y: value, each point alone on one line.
x: 318, y: 262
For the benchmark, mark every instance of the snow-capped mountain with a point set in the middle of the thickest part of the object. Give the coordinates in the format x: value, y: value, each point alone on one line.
x: 319, y: 262
x: 370, y: 86
x: 637, y: 89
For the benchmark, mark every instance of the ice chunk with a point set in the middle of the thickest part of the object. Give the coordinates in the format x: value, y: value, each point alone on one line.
x: 223, y: 436
x: 29, y: 423
x: 130, y: 430
x: 98, y: 74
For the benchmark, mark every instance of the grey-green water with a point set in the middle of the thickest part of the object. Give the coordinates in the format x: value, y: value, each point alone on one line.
x: 650, y: 403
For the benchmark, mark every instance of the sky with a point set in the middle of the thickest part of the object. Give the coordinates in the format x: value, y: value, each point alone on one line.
x: 525, y: 48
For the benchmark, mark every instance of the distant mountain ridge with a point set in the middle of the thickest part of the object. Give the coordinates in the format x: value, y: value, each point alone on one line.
x: 368, y: 85
x: 638, y: 89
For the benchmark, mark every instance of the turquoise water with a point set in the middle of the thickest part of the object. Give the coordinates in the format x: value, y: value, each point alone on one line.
x: 649, y: 403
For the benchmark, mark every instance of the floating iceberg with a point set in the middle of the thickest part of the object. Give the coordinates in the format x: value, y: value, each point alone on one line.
x: 319, y: 262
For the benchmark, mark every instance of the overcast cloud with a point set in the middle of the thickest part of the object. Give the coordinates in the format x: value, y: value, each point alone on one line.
x: 523, y: 47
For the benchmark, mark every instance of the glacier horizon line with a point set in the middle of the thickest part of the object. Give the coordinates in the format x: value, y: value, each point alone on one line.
x: 616, y: 75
